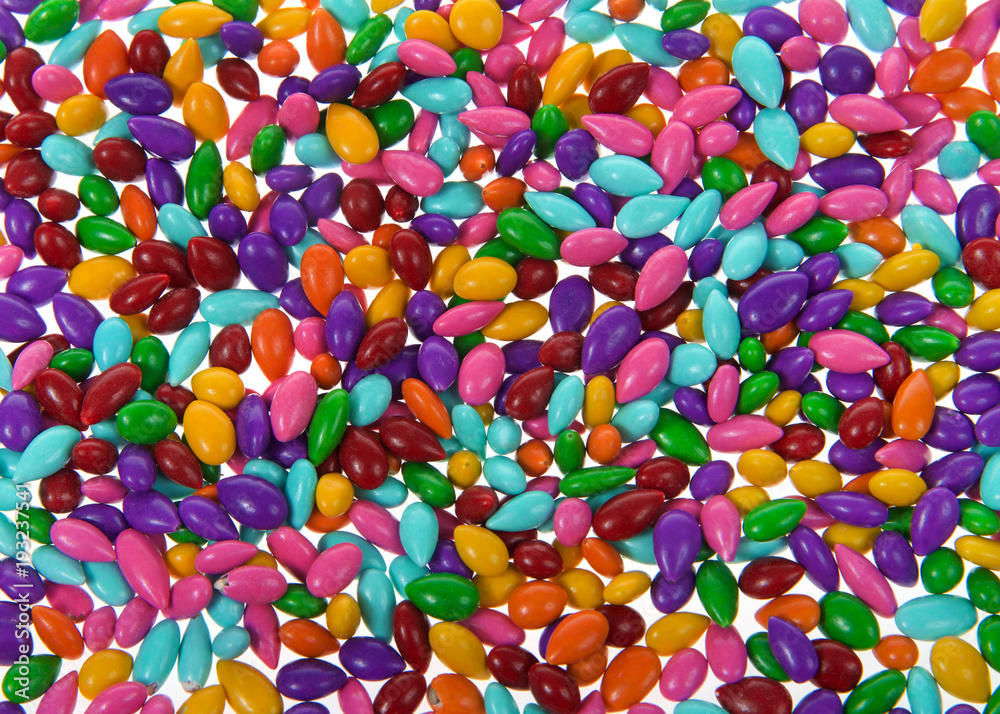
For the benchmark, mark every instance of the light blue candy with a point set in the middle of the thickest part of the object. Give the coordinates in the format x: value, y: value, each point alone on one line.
x: 922, y: 692
x: 589, y: 26
x: 625, y: 175
x: 114, y: 128
x: 645, y: 43
x: 741, y: 7
x: 351, y: 14
x: 857, y: 259
x: 228, y: 307
x: 315, y: 150
x: 67, y: 155
x: 267, y: 470
x: 440, y: 95
x: 391, y: 493
x: 157, y: 654
x: 300, y: 490
x: 194, y: 658
x: 371, y: 558
x: 418, y: 532
x: 759, y: 72
x: 455, y: 199
x: 745, y: 252
x: 369, y: 399
x: 798, y: 187
x: 8, y: 536
x: 721, y: 325
x: 108, y: 430
x: 872, y: 23
x: 932, y: 617
x: 190, y: 350
x: 698, y: 219
x: 455, y: 130
x: 504, y: 435
x: 178, y: 224
x: 959, y: 160
x: 53, y: 565
x: 777, y: 135
x: 469, y: 428
x: 73, y: 46
x: 8, y: 463
x: 523, y: 512
x: 403, y: 571
x: 662, y: 393
x: 924, y: 226
x: 231, y: 642
x: 504, y: 474
x: 251, y: 535
x: 695, y: 706
x: 749, y: 550
x: 399, y: 23
x: 9, y: 497
x: 108, y: 584
x: 989, y: 483
x: 783, y: 254
x: 212, y: 50
x: 46, y: 453
x: 171, y: 489
x: 566, y: 402
x: 638, y: 548
x: 224, y: 611
x: 389, y: 53
x: 561, y: 212
x: 691, y: 364
x: 112, y: 343
x: 446, y: 154
x: 600, y: 499
x: 294, y: 252
x: 146, y: 20
x: 377, y: 600
x: 6, y: 373
x: 499, y: 700
x: 648, y: 215
x: 636, y: 419
x: 575, y: 6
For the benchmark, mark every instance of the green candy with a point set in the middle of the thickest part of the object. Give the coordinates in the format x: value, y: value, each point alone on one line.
x: 773, y: 519
x: 146, y: 422
x: 428, y: 484
x: 594, y: 480
x: 864, y: 324
x: 498, y: 248
x: 953, y: 288
x: 466, y: 60
x: 984, y: 590
x: 752, y: 355
x: 823, y: 410
x: 845, y: 618
x: 676, y: 436
x: 103, y: 235
x: 929, y: 343
x: 762, y: 657
x: 98, y: 195
x: 183, y: 535
x: 820, y: 235
x: 899, y: 520
x: 444, y: 596
x: 328, y: 424
x: 51, y: 20
x: 77, y: 362
x: 978, y: 518
x: 392, y: 121
x: 549, y: 123
x: 151, y: 357
x: 686, y: 13
x: 299, y: 602
x: 524, y: 231
x: 367, y: 41
x: 723, y: 174
x: 718, y: 592
x: 756, y: 392
x: 27, y: 682
x: 39, y: 523
x: 983, y: 129
x: 268, y: 149
x: 988, y: 636
x: 203, y: 187
x: 242, y: 10
x: 569, y: 451
x: 877, y: 694
x: 941, y: 571
x: 465, y: 343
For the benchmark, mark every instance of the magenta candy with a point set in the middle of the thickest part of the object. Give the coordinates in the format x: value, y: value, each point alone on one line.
x: 903, y: 454
x: 353, y: 697
x: 339, y: 235
x: 546, y: 43
x: 672, y: 154
x: 854, y: 203
x: 643, y: 368
x: 866, y: 580
x: 143, y: 568
x: 293, y: 550
x: 134, y: 621
x: 481, y: 373
x: 683, y: 675
x: 501, y: 61
x: 485, y: 92
x: 928, y: 142
x: 32, y: 360
x: 726, y: 653
x: 717, y: 138
x: 254, y: 117
x: 897, y: 187
x: 660, y: 277
x: 189, y: 596
x: 223, y: 556
x: 334, y: 569
x: 376, y: 525
x: 978, y: 32
x: 934, y: 191
x: 864, y: 113
x: 720, y: 522
x: 82, y: 541
x: 572, y: 521
x: 723, y: 393
x: 847, y: 351
x: 293, y: 405
x: 99, y: 629
x: 892, y: 72
x: 252, y: 584
x: 422, y: 132
x: 541, y: 176
x: 800, y: 54
x: 496, y: 121
x: 592, y: 246
x: 824, y: 20
x: 55, y: 83
x: 704, y: 105
x: 61, y: 696
x: 426, y: 58
x: 746, y: 205
x: 741, y: 433
x: 494, y: 628
x: 158, y: 704
x: 414, y: 172
x: 794, y: 212
x: 299, y: 115
x: 261, y: 622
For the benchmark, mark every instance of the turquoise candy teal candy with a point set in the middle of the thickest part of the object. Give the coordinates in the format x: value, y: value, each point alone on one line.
x: 251, y: 535
x: 108, y: 430
x: 389, y: 53
x: 469, y: 428
x: 224, y: 611
x: 194, y: 660
x: 924, y: 226
x: 561, y: 212
x: 112, y: 343
x: 351, y: 14
x: 455, y: 199
x: 403, y: 571
x: 190, y: 350
x: 455, y: 130
x: 57, y: 567
x: 922, y: 692
x: 721, y: 325
x: 636, y: 419
x: 170, y: 489
x: 691, y: 364
x: 857, y: 259
x: 749, y: 550
x: 779, y: 137
x: 157, y: 654
x: 499, y: 700
x: 115, y: 127
x: 8, y: 492
x: 783, y: 254
x: 231, y: 642
x: 745, y: 252
x: 589, y: 26
x: 932, y: 617
x: 377, y: 600
x: 212, y: 50
x: 178, y: 224
x: 8, y: 463
x: 446, y: 154
x: 370, y: 555
x: 959, y: 160
x: 399, y: 23
x: 67, y: 155
x: 741, y: 7
x: 798, y: 187
x: 624, y: 175
x: 267, y: 470
x: 694, y: 706
x: 504, y: 435
x: 8, y: 536
x: 108, y: 584
x: 648, y: 215
x: 315, y: 150
x: 228, y: 307
x: 73, y: 46
x: 523, y: 512
x: 645, y: 43
x: 989, y: 484
x: 145, y: 20
x: 566, y: 402
x: 369, y: 399
x: 6, y: 372
x: 504, y: 474
x: 294, y: 252
x: 46, y: 453
x: 390, y: 494
x: 418, y: 532
x: 300, y: 491
x: 872, y: 23
x: 662, y: 393
x: 440, y: 95
x: 698, y: 218
x: 638, y: 548
x: 759, y: 72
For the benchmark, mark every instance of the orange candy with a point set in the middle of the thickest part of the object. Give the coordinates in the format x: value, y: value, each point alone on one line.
x: 427, y: 406
x: 536, y: 604
x: 505, y: 192
x: 382, y: 237
x: 942, y: 71
x: 272, y: 343
x: 961, y: 103
x: 106, y: 58
x: 577, y: 637
x: 913, y: 406
x: 325, y: 41
x: 625, y: 10
x: 307, y: 638
x: 476, y: 162
x: 881, y: 233
x: 589, y: 669
x: 604, y: 444
x: 278, y: 58
x: 602, y: 557
x: 782, y: 337
x: 991, y: 74
x: 800, y: 610
x: 896, y: 652
x: 322, y: 275
x: 138, y: 212
x: 326, y: 370
x: 318, y: 523
x: 534, y: 456
x: 631, y: 675
x: 702, y: 73
x: 455, y: 694
x: 747, y: 154
x: 57, y: 632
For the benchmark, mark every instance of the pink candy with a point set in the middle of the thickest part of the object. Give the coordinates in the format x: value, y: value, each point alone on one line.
x: 334, y: 569
x: 426, y: 58
x: 660, y: 277
x: 643, y: 368
x: 846, y: 351
x: 592, y: 246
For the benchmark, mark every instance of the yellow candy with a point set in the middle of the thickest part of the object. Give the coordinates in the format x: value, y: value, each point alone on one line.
x: 351, y: 134
x: 985, y: 312
x: 609, y: 59
x: 269, y: 6
x: 904, y: 270
x: 860, y: 539
x: 263, y: 558
x: 96, y: 278
x: 464, y: 469
x: 445, y: 268
x: 650, y: 116
x: 940, y: 19
x: 368, y: 266
x: 495, y: 591
x: 240, y: 186
x: 572, y: 555
x: 103, y: 669
x: 598, y: 402
x: 210, y: 700
x: 627, y: 587
x: 389, y: 302
x: 180, y: 559
x: 762, y: 468
x: 218, y: 385
x: 585, y: 589
x: 81, y: 114
x: 575, y: 108
x: 476, y: 23
x: 517, y: 321
x: 193, y: 20
x: 459, y: 650
x: 689, y: 326
x: 980, y: 551
x: 783, y: 408
x: 747, y: 498
x: 943, y: 377
x: 601, y: 309
x: 675, y: 632
x: 334, y: 494
x: 343, y: 616
x: 428, y: 25
x: 866, y: 294
x: 209, y: 432
x: 286, y: 23
x: 205, y: 113
x: 482, y: 550
x: 897, y: 487
x: 137, y: 325
x: 723, y: 33
x: 486, y: 413
x: 566, y: 73
x: 485, y: 279
x: 383, y: 6
x: 813, y: 478
x: 248, y: 691
x: 961, y: 670
x: 827, y: 139
x: 184, y: 68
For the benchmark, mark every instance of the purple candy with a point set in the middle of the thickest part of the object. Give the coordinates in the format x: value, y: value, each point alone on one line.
x: 521, y: 356
x: 705, y: 259
x: 438, y: 362
x: 11, y: 34
x: 345, y: 326
x: 895, y: 559
x: 846, y: 70
x: 293, y: 300
x: 516, y: 153
x: 685, y: 44
x: 335, y: 84
x: 597, y: 203
x: 980, y: 352
x: 106, y: 518
x: 961, y: 708
x: 773, y: 301
x: 676, y: 543
x: 447, y: 560
x: 20, y: 420
x: 436, y: 228
x: 813, y: 554
x: 638, y: 251
x: 950, y: 431
x: 307, y: 708
x: 370, y: 659
x: 352, y: 375
x: 500, y: 400
x: 15, y: 640
x: 571, y: 304
x: 824, y: 310
x: 19, y: 7
x: 433, y: 5
x: 287, y: 453
x: 289, y: 177
x: 139, y: 93
x: 77, y: 319
x: 289, y: 86
x: 692, y: 404
x: 263, y: 261
x: 242, y: 39
x: 136, y: 467
x: 36, y: 284
x: 253, y: 501
x: 792, y: 365
x: 820, y: 701
x: 906, y: 7
x: 744, y: 111
x: 856, y: 509
x: 163, y: 183
x: 575, y: 151
x: 977, y: 394
x: 957, y: 472
x: 253, y: 426
x: 855, y: 461
x: 771, y: 25
x: 688, y: 188
x: 935, y: 518
x: 306, y: 679
x: 150, y: 512
x: 164, y: 137
x: 667, y: 596
x: 793, y: 650
x: 226, y: 222
x: 206, y: 519
x: 402, y: 367
x: 988, y: 428
x: 848, y: 170
x: 712, y: 479
x: 850, y: 387
x: 977, y: 213
x: 20, y: 222
x: 21, y: 582
x: 806, y: 104
x: 421, y: 311
x: 810, y: 385
x: 288, y: 221
x: 322, y: 198
x: 903, y: 308
x: 822, y: 271
x: 609, y: 339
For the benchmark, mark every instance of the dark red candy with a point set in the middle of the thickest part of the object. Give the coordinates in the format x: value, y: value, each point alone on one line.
x: 178, y: 463
x: 889, y: 378
x: 770, y: 171
x: 512, y: 539
x: 110, y: 391
x: 861, y: 423
x: 379, y: 86
x: 238, y: 79
x: 138, y: 294
x: 212, y: 263
x: 401, y: 694
x: 538, y: 559
x: 562, y: 351
x: 29, y: 129
x: 57, y: 246
x: 627, y: 514
x: 410, y: 634
x: 535, y: 277
x: 410, y: 256
x: 20, y: 64
x: 159, y: 256
x: 60, y: 397
x: 667, y: 312
x: 27, y: 175
x: 618, y: 89
x: 616, y: 280
x: 174, y: 311
x: 553, y: 689
x: 4, y: 118
x: 981, y: 259
x: 666, y: 474
x: 382, y: 343
x: 148, y: 52
x: 524, y: 89
x: 801, y: 442
x: 119, y: 159
x: 626, y: 626
x: 95, y: 456
x: 888, y: 145
x: 755, y: 695
x: 177, y: 398
x: 57, y: 204
x: 410, y: 440
x: 363, y: 458
x: 362, y: 204
x: 400, y: 204
x: 60, y: 492
x: 476, y: 504
x: 510, y: 665
x: 231, y: 349
x: 840, y: 668
x: 530, y: 393
x: 768, y: 577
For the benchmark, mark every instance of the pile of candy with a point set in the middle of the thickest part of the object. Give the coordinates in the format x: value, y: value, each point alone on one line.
x: 572, y: 317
